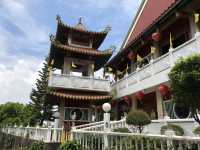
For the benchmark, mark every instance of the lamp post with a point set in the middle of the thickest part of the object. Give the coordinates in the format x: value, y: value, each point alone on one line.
x: 106, y: 108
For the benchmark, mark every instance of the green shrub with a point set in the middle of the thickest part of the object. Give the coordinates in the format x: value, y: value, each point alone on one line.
x: 70, y: 145
x: 176, y: 128
x: 197, y: 130
x: 123, y: 130
x: 36, y: 146
x: 138, y: 118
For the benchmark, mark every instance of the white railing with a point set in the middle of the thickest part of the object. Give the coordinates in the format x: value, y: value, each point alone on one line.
x: 156, y: 72
x: 99, y: 126
x: 80, y: 83
x: 91, y: 140
x: 47, y: 135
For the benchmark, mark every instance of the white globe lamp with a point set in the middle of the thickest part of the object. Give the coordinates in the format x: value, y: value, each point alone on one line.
x: 56, y: 114
x: 106, y: 107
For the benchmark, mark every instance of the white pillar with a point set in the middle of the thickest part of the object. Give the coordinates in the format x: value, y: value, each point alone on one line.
x: 159, y: 103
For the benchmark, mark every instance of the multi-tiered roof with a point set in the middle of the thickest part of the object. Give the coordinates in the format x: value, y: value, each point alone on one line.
x: 61, y: 47
x: 78, y: 43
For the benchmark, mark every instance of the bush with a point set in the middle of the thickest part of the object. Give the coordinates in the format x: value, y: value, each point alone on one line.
x: 122, y: 130
x: 176, y: 128
x: 138, y: 118
x: 70, y: 145
x: 36, y: 146
x: 197, y: 130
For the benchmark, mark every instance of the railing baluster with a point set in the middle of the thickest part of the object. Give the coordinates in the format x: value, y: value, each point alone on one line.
x: 148, y: 145
x: 136, y: 144
x: 154, y: 144
x: 162, y: 145
x: 180, y: 145
x: 142, y: 144
x: 116, y: 146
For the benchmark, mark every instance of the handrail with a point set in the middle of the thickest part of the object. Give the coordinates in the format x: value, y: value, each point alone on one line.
x: 81, y: 77
x: 155, y: 61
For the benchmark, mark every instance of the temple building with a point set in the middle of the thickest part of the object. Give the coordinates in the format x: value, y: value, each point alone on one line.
x: 78, y: 94
x: 161, y: 33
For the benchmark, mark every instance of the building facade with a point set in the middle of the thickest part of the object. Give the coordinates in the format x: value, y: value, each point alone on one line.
x: 161, y: 33
x: 74, y: 54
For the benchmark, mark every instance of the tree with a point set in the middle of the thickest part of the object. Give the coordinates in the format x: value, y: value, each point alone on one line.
x: 138, y: 118
x: 185, y: 84
x: 15, y: 114
x: 43, y: 110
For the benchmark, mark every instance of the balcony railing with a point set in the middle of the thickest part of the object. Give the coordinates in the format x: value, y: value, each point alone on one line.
x: 156, y: 72
x: 79, y: 83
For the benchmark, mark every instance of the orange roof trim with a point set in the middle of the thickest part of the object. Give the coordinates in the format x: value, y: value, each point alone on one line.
x: 80, y: 97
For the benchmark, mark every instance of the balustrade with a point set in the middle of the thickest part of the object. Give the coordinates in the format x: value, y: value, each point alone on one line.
x: 81, y: 83
x: 156, y: 71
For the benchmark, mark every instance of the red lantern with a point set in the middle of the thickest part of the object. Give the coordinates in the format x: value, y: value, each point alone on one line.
x: 163, y: 89
x: 140, y: 95
x: 156, y: 36
x: 131, y: 55
x: 126, y: 99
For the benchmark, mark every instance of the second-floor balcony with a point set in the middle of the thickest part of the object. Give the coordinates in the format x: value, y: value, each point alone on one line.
x: 156, y: 72
x: 78, y: 83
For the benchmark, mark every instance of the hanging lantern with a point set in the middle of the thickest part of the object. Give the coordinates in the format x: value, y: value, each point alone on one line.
x: 156, y: 36
x: 131, y: 55
x: 140, y: 95
x: 126, y: 99
x: 163, y: 89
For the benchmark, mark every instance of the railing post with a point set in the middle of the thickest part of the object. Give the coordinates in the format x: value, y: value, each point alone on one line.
x: 106, y: 108
x: 49, y: 134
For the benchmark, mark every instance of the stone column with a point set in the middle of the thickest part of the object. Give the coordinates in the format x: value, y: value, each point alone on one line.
x: 62, y: 112
x: 91, y: 70
x: 67, y: 65
x: 134, y: 102
x: 159, y: 103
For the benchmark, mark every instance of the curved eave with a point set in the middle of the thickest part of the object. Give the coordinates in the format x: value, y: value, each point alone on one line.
x: 98, y: 37
x: 70, y: 96
x: 100, y: 57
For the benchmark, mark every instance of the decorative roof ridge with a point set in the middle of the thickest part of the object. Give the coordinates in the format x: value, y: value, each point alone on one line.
x: 105, y: 31
x: 82, y: 50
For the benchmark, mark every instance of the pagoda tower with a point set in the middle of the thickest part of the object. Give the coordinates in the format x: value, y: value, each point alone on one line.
x: 74, y: 51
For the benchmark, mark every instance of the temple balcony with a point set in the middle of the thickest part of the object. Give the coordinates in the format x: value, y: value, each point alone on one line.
x: 156, y: 72
x: 78, y: 83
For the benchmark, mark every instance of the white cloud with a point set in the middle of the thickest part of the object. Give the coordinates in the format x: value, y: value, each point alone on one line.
x: 17, y: 78
x: 17, y: 12
x: 19, y: 71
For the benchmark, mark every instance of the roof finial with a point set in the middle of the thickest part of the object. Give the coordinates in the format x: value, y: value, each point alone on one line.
x: 80, y: 20
x: 58, y: 18
x: 52, y: 37
x: 108, y: 28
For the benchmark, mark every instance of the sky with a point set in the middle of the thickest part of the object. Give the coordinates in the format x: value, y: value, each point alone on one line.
x: 25, y: 26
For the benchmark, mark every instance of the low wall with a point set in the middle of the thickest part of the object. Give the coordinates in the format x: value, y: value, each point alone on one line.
x: 11, y: 142
x: 187, y: 124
